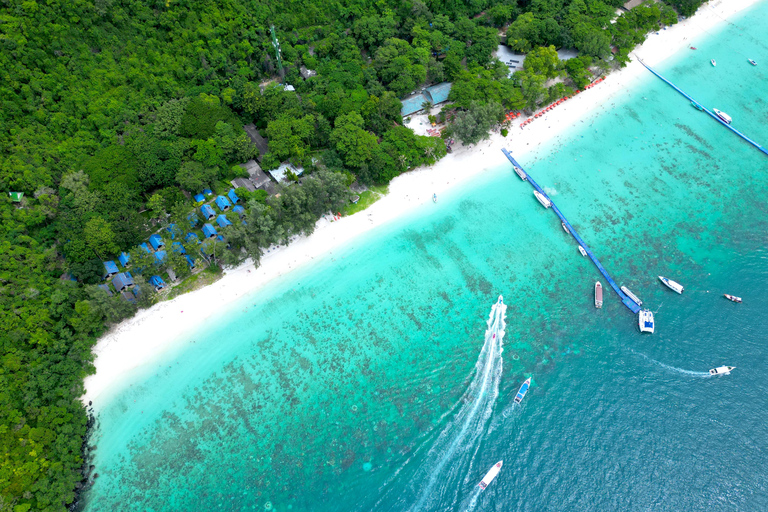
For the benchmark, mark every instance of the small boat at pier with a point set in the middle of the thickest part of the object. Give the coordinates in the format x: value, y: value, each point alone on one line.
x: 565, y: 228
x: 721, y: 370
x: 752, y: 62
x: 434, y: 198
x: 713, y: 62
x: 523, y: 390
x: 521, y: 173
x: 672, y: 285
x: 697, y: 106
x: 598, y: 295
x: 632, y: 296
x: 582, y: 251
x: 732, y: 297
x: 545, y: 202
x: 490, y: 475
x: 722, y: 115
x: 645, y: 320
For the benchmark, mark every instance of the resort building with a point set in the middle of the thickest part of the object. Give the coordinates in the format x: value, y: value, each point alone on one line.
x: 223, y: 203
x: 110, y: 269
x: 207, y: 211
x: 223, y: 221
x: 435, y: 94
x: 257, y: 179
x: 192, y: 237
x: 232, y: 196
x: 156, y: 242
x: 177, y: 247
x: 160, y: 257
x: 239, y: 210
x: 105, y: 287
x: 199, y: 198
x: 122, y: 281
x: 124, y: 259
x: 157, y: 282
x: 209, y: 231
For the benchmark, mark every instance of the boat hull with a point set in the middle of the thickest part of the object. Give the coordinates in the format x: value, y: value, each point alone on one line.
x: 645, y: 321
x: 582, y: 251
x: 672, y: 285
x: 490, y: 475
x: 521, y: 173
x: 732, y: 298
x: 721, y: 370
x: 598, y: 295
x: 546, y: 203
x: 523, y: 390
x: 632, y: 295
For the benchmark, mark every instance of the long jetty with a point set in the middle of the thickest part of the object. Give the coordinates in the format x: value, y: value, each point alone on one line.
x: 624, y: 298
x: 705, y: 109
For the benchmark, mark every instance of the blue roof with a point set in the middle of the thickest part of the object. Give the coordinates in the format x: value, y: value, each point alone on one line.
x: 223, y: 203
x: 206, y: 249
x: 124, y: 258
x: 208, y: 212
x: 192, y: 218
x: 179, y: 248
x: 157, y: 282
x: 174, y: 230
x: 434, y: 94
x: 156, y: 241
x: 209, y: 231
x: 192, y: 237
x: 190, y: 261
x: 111, y: 268
x: 239, y: 210
x: 232, y: 196
x: 105, y: 287
x: 199, y: 198
x: 412, y: 104
x: 438, y: 93
x: 207, y: 192
x: 223, y: 221
x: 160, y: 256
x: 145, y: 247
x: 122, y: 280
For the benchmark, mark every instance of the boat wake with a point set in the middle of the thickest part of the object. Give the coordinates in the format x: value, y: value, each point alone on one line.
x: 674, y: 368
x: 444, y: 473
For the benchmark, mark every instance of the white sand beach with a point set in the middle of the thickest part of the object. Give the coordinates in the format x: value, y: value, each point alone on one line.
x: 137, y: 342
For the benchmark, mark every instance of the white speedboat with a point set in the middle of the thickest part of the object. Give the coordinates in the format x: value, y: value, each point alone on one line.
x: 721, y: 370
x: 722, y: 115
x: 752, y: 62
x: 521, y: 173
x: 582, y: 251
x: 713, y: 62
x: 632, y: 296
x: 645, y: 320
x: 490, y: 475
x: 434, y: 198
x: 732, y: 297
x: 672, y: 285
x: 565, y: 228
x: 598, y: 295
x: 545, y: 202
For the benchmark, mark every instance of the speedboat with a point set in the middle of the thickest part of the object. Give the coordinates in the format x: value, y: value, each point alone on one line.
x: 434, y: 198
x: 713, y: 62
x: 523, y: 390
x: 645, y: 320
x: 521, y: 173
x: 598, y: 295
x: 697, y: 106
x: 490, y: 475
x: 632, y: 296
x: 565, y: 228
x: 545, y: 202
x: 582, y: 251
x: 732, y: 297
x: 752, y: 62
x: 722, y: 115
x: 672, y: 285
x: 721, y: 370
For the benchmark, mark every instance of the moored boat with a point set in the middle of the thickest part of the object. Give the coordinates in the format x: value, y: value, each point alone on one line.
x: 672, y: 285
x: 598, y: 295
x: 434, y: 198
x: 722, y: 115
x: 752, y: 62
x: 523, y: 390
x: 582, y: 251
x: 713, y: 62
x: 545, y: 202
x: 732, y: 297
x: 565, y: 228
x: 645, y: 320
x: 632, y: 295
x: 697, y: 106
x: 490, y: 475
x: 521, y: 173
x: 721, y: 370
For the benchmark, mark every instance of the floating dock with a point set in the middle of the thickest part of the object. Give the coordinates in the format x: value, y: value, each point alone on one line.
x: 624, y: 298
x: 711, y: 114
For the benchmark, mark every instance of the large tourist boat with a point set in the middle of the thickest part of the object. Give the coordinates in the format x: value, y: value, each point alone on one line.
x: 598, y: 295
x: 632, y: 295
x: 546, y: 203
x: 672, y: 285
x: 523, y: 390
x: 521, y: 173
x: 490, y: 475
x: 732, y: 297
x: 721, y: 370
x: 722, y: 115
x: 645, y: 320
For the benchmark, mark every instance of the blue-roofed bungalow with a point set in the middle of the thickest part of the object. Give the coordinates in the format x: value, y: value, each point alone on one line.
x: 199, y: 198
x: 145, y: 247
x: 105, y: 287
x: 156, y: 242
x: 223, y: 203
x: 207, y: 211
x: 223, y: 221
x: 209, y: 231
x: 110, y: 268
x: 192, y: 218
x: 239, y: 210
x: 174, y: 230
x: 207, y: 250
x: 122, y: 281
x: 232, y: 196
x: 208, y: 192
x: 160, y: 257
x: 157, y: 282
x: 192, y: 238
x: 124, y: 258
x: 190, y: 261
x: 178, y: 248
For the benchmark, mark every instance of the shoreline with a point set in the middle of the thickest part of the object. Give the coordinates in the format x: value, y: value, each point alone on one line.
x: 139, y: 341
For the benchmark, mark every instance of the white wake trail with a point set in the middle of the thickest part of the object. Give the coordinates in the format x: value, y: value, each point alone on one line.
x: 673, y: 368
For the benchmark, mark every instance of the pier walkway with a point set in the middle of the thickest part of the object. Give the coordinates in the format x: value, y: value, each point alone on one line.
x: 624, y: 298
x: 711, y: 114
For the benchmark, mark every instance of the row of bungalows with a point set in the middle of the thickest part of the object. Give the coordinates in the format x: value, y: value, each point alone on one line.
x: 223, y: 203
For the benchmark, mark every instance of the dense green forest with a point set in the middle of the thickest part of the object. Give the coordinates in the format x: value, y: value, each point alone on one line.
x: 115, y: 112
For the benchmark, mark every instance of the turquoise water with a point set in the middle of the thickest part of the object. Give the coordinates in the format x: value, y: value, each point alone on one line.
x: 368, y: 381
